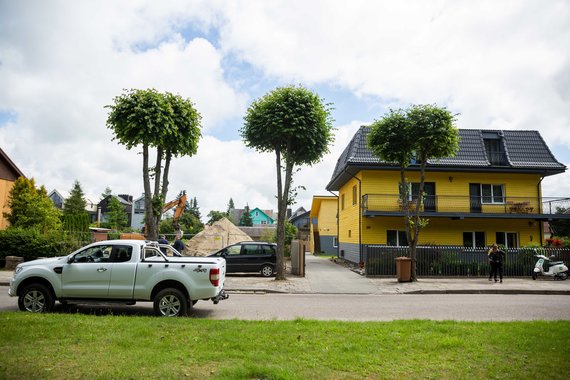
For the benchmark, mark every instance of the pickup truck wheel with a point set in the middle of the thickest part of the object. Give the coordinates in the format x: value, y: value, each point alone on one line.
x: 36, y: 298
x: 267, y: 271
x: 170, y: 302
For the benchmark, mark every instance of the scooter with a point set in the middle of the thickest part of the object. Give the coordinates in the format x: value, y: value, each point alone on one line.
x: 556, y: 269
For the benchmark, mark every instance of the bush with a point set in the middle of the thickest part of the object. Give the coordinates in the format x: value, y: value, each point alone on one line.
x: 31, y: 244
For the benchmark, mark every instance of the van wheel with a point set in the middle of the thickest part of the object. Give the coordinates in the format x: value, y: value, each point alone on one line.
x: 36, y: 298
x: 170, y: 302
x: 267, y: 271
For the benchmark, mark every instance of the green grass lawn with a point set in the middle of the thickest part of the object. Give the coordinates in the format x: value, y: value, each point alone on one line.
x: 77, y: 346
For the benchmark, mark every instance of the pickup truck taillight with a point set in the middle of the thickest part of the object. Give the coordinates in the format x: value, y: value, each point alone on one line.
x: 215, y: 276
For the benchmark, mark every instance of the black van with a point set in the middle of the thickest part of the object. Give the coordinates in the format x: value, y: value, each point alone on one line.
x: 249, y: 256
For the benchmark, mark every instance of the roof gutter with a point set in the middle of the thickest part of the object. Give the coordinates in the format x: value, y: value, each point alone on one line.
x: 540, y: 224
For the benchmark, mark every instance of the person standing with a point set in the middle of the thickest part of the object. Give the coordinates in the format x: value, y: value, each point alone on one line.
x: 162, y: 240
x: 496, y: 258
x: 178, y: 244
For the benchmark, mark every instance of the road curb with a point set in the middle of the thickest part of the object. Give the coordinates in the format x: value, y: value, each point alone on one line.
x: 412, y: 292
x: 490, y: 291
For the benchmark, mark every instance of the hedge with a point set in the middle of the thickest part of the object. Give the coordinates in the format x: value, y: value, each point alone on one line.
x: 31, y: 244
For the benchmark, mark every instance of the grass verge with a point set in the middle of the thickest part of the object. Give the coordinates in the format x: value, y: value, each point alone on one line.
x: 72, y: 346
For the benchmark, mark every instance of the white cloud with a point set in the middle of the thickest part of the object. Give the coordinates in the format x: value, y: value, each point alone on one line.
x: 498, y: 64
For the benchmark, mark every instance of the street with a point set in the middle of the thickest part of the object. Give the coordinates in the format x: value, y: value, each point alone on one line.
x: 346, y: 307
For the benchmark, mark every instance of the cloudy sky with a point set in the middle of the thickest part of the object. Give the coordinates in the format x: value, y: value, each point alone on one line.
x: 498, y: 64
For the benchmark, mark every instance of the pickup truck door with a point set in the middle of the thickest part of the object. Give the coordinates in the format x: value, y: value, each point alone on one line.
x: 122, y: 281
x: 88, y: 273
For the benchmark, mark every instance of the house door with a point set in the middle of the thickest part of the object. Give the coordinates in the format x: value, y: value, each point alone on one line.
x: 429, y: 200
x: 317, y: 242
x: 429, y: 196
x: 475, y: 197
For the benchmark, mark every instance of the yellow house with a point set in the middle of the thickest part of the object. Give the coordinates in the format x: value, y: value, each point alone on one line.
x: 323, y: 234
x: 9, y: 173
x: 489, y: 192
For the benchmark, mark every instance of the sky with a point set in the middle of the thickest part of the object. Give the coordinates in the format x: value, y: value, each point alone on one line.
x: 496, y: 65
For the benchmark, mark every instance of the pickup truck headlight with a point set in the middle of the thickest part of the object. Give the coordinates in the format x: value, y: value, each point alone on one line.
x: 18, y: 269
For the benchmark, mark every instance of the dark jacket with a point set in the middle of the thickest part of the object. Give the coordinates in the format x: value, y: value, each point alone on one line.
x: 497, y: 256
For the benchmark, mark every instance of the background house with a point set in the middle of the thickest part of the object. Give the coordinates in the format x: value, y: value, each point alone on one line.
x: 9, y: 173
x: 125, y: 199
x: 137, y: 214
x: 489, y: 192
x: 259, y: 217
x: 323, y: 227
x: 58, y: 198
x: 301, y: 220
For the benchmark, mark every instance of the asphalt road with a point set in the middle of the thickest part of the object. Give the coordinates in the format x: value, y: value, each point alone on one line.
x: 470, y: 307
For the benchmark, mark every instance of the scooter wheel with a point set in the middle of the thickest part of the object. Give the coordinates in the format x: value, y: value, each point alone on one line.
x: 563, y: 275
x: 534, y: 276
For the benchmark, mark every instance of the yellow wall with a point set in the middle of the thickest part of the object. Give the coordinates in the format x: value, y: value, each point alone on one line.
x: 5, y: 187
x: 443, y: 231
x: 327, y: 217
x: 349, y: 216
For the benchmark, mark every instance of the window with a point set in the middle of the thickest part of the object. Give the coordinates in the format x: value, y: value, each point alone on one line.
x: 349, y: 233
x: 354, y: 195
x: 342, y: 202
x: 250, y: 249
x: 396, y: 238
x: 474, y: 239
x: 96, y: 254
x: 257, y: 213
x: 335, y: 242
x: 268, y: 249
x: 233, y: 250
x: 492, y: 194
x: 508, y: 239
x: 122, y: 253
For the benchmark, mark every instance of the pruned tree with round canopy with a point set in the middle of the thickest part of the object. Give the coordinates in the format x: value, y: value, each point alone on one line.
x: 296, y: 124
x: 164, y: 121
x: 420, y: 133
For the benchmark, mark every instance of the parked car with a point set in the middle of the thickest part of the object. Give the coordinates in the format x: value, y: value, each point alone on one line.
x: 250, y: 256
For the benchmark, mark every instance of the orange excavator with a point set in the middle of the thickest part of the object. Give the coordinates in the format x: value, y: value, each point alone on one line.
x: 179, y: 203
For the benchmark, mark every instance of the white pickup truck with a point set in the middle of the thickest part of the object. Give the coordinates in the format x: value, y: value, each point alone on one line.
x: 120, y: 271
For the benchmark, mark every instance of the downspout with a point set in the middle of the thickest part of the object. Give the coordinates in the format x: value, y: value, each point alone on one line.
x: 360, y: 261
x: 337, y: 225
x: 540, y: 224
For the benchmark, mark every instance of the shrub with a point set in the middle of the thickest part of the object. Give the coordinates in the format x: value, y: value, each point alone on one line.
x: 31, y: 244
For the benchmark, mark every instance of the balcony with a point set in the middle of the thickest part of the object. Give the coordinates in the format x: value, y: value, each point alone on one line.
x: 466, y: 206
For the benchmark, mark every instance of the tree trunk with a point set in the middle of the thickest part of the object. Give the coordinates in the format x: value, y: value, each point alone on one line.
x: 281, y: 212
x: 150, y: 223
x: 164, y: 189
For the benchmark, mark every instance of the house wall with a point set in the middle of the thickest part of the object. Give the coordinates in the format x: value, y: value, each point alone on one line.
x: 443, y: 231
x: 261, y: 218
x: 326, y: 226
x: 516, y: 185
x: 5, y: 187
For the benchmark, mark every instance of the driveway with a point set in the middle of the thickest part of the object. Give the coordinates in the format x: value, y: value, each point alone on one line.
x: 325, y: 276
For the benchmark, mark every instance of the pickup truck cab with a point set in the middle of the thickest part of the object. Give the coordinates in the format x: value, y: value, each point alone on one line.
x: 120, y: 271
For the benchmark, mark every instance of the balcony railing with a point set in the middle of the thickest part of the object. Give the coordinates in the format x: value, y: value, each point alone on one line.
x: 450, y: 204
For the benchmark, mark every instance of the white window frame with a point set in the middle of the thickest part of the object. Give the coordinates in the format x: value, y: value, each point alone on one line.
x: 335, y: 242
x: 492, y: 196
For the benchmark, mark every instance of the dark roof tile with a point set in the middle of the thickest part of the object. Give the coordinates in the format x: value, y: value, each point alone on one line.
x: 525, y: 150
